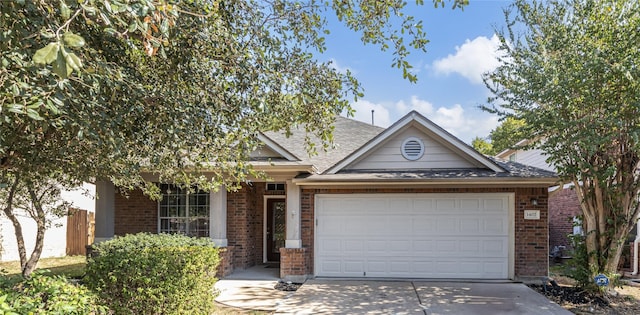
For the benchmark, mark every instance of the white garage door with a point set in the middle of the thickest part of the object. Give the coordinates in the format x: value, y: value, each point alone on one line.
x: 413, y: 235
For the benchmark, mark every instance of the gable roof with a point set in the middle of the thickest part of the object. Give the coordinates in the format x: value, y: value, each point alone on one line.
x: 348, y: 136
x: 504, y: 154
x: 277, y: 148
x: 440, y: 135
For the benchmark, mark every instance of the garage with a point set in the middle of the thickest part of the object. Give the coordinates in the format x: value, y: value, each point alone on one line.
x: 414, y: 235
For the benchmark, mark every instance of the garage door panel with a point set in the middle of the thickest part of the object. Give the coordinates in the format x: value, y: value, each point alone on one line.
x: 420, y: 236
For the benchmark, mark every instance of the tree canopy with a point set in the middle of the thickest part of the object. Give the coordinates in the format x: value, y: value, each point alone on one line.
x: 503, y: 137
x: 570, y: 69
x: 109, y: 89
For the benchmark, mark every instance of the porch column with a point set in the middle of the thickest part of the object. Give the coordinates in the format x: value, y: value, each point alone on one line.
x: 293, y: 238
x: 218, y: 216
x: 105, y: 210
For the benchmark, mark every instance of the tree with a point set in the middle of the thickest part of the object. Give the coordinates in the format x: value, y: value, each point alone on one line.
x: 573, y: 76
x: 482, y: 145
x: 108, y: 89
x: 507, y: 134
x: 503, y: 137
x: 37, y: 199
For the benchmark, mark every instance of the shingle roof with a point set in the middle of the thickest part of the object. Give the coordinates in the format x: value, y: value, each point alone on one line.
x: 348, y: 136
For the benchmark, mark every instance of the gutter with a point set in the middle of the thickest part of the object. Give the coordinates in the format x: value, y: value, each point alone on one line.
x: 503, y: 182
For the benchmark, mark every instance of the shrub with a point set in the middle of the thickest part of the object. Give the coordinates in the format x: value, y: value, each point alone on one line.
x: 44, y: 294
x: 155, y: 274
x: 579, y: 269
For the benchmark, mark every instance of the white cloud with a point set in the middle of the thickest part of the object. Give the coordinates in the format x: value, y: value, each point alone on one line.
x: 462, y: 123
x: 472, y: 59
x: 363, y: 113
x: 455, y: 119
x: 339, y: 68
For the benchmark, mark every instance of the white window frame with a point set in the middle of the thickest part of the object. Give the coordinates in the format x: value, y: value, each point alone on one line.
x: 185, y: 200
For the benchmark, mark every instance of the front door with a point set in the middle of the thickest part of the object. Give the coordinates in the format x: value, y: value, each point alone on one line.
x: 276, y: 228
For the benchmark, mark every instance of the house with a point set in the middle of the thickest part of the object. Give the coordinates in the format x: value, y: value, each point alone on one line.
x: 55, y: 238
x: 408, y: 201
x: 564, y: 205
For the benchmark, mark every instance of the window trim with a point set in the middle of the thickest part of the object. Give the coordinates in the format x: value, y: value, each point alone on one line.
x: 187, y: 211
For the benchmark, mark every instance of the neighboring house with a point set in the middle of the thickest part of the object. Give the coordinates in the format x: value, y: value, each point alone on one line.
x: 55, y: 241
x: 564, y: 205
x: 409, y: 201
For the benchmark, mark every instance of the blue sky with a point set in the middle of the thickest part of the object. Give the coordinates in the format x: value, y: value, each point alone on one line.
x: 449, y: 88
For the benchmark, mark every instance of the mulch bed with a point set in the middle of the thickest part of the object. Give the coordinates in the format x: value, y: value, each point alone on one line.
x: 287, y: 286
x: 579, y: 301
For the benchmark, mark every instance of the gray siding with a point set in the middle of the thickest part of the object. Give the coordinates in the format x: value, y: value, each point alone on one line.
x: 389, y: 156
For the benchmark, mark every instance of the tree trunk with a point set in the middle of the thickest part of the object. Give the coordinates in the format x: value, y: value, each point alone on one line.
x: 17, y: 227
x: 30, y: 265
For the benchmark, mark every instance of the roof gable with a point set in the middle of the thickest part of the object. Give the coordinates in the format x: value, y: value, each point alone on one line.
x: 271, y: 150
x: 441, y: 150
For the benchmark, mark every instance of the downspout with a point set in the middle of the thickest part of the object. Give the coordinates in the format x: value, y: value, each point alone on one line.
x: 635, y: 249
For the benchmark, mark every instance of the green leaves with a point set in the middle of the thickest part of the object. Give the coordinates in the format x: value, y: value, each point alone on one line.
x: 63, y: 61
x: 47, y: 54
x: 570, y: 70
x: 73, y: 40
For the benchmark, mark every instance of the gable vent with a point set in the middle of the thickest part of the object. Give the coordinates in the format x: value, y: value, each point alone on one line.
x: 412, y: 149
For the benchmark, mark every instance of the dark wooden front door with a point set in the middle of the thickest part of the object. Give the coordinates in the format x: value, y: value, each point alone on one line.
x: 276, y: 228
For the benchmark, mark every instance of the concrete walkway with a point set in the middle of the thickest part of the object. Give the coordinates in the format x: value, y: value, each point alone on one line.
x: 418, y: 297
x: 251, y: 289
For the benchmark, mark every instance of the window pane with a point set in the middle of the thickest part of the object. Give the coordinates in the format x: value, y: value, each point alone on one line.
x: 164, y: 211
x: 164, y: 225
x: 182, y: 212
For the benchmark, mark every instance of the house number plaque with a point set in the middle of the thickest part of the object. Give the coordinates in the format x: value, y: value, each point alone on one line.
x: 532, y: 214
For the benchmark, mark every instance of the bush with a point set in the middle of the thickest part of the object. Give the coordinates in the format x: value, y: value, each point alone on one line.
x: 155, y: 274
x: 578, y: 267
x: 43, y: 294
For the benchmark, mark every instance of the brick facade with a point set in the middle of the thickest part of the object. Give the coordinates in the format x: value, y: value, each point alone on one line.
x: 135, y: 213
x: 563, y: 206
x: 531, y: 236
x: 294, y: 264
x: 245, y: 223
x: 225, y: 267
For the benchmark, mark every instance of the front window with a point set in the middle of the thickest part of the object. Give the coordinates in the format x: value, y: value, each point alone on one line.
x: 183, y: 212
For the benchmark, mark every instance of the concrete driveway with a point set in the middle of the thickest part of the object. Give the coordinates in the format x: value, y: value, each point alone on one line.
x: 416, y: 297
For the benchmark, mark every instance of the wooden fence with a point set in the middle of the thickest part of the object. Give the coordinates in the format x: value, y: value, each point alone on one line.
x: 80, y: 231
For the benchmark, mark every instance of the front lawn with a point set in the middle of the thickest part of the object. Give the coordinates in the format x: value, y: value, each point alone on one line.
x: 68, y: 266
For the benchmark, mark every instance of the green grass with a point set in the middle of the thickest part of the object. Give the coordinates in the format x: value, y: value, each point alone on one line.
x: 69, y: 266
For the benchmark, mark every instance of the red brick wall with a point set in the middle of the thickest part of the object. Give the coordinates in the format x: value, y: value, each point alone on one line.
x: 225, y: 267
x: 531, y: 236
x: 245, y: 229
x: 135, y: 213
x: 531, y: 239
x: 245, y: 214
x: 293, y: 262
x: 563, y: 206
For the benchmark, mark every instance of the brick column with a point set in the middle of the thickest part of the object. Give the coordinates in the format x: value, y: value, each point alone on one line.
x: 225, y: 267
x: 293, y: 266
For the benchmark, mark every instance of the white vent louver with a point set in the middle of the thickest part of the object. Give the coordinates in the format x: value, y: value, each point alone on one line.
x: 412, y: 149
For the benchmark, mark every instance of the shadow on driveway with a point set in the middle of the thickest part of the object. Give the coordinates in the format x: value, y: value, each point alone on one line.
x: 322, y: 296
